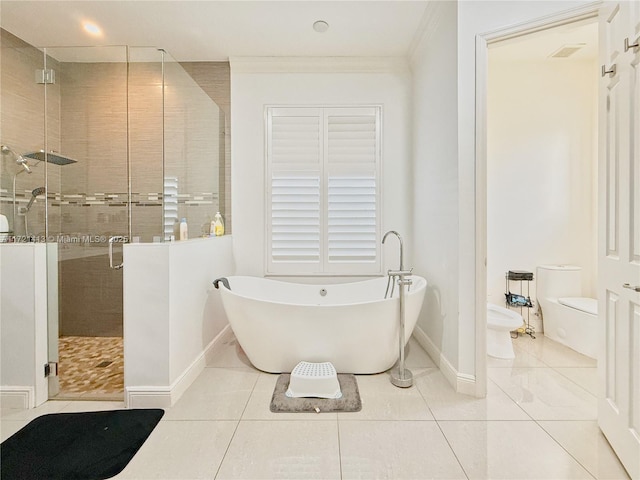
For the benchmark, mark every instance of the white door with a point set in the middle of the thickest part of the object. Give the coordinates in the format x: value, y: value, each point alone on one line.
x: 619, y: 238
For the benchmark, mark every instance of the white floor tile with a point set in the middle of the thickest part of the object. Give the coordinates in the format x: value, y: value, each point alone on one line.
x: 416, y: 356
x: 587, y: 378
x: 9, y: 427
x: 383, y: 401
x: 545, y: 394
x: 181, y: 450
x: 283, y: 450
x: 509, y: 450
x: 395, y: 450
x: 522, y: 359
x: 554, y: 354
x: 217, y: 394
x: 260, y: 400
x: 394, y: 436
x: 588, y: 445
x: 446, y: 404
x: 52, y: 406
x: 91, y: 406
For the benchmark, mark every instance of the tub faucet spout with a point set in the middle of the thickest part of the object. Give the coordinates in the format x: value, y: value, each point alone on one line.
x: 401, y: 247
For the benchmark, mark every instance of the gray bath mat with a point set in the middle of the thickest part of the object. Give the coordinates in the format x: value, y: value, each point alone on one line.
x: 349, y: 402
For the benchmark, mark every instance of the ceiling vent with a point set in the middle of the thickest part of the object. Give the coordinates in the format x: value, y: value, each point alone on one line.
x: 567, y: 50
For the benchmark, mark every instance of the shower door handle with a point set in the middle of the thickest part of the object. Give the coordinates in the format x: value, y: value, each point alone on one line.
x: 113, y: 240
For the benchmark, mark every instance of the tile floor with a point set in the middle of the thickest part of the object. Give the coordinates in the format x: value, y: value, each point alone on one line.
x: 538, y: 421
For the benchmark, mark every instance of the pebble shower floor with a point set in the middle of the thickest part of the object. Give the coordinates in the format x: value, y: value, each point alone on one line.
x: 91, y: 367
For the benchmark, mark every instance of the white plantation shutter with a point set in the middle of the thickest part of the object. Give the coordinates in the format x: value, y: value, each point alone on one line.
x: 352, y: 219
x: 295, y: 139
x: 352, y: 139
x: 295, y: 218
x: 323, y: 193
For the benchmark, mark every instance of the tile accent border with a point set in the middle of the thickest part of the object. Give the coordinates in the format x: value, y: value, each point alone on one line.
x: 152, y: 199
x: 167, y: 396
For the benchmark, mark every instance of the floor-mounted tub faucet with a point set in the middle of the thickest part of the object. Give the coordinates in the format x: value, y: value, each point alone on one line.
x: 400, y: 376
x: 401, y: 248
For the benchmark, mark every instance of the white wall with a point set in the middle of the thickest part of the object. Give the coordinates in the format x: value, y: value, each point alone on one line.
x: 23, y: 324
x: 435, y: 182
x: 256, y: 83
x: 541, y: 156
x: 172, y: 315
x: 449, y: 165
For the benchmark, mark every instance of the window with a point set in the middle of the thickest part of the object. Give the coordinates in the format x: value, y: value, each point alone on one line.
x: 323, y: 190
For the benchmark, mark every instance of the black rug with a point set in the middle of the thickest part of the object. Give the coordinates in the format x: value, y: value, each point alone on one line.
x: 87, y: 446
x: 349, y: 402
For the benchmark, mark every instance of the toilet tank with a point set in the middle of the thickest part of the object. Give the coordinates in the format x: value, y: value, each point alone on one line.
x: 554, y: 281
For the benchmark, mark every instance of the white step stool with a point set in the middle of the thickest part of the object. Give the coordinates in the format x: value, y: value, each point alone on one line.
x: 314, y: 380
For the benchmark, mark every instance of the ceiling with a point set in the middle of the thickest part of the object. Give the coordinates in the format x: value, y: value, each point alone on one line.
x: 214, y: 30
x: 208, y: 30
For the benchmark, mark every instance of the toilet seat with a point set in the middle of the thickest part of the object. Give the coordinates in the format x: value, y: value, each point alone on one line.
x: 584, y: 304
x: 502, y: 318
x: 500, y: 321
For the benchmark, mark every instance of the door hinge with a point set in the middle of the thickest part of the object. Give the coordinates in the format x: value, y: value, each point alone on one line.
x: 51, y: 369
x: 46, y: 76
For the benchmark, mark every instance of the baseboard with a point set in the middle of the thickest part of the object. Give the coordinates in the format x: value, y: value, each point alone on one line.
x: 426, y: 343
x: 461, y: 382
x: 165, y: 397
x: 17, y: 397
x: 147, y: 397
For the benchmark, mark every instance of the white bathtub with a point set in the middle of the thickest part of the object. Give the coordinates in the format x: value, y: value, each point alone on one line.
x: 279, y: 324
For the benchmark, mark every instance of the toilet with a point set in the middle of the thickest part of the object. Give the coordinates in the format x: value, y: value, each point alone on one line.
x: 567, y: 316
x: 501, y: 321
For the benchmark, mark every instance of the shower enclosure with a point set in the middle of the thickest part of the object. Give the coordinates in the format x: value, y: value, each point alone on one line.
x: 100, y: 146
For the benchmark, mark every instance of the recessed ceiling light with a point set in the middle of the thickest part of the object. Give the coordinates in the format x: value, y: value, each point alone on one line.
x: 92, y: 29
x: 320, y: 26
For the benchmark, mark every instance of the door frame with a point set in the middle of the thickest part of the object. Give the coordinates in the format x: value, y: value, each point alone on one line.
x: 483, y: 41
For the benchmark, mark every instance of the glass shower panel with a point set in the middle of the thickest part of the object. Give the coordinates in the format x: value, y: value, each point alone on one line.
x: 22, y: 119
x: 146, y: 143
x: 193, y: 147
x: 88, y: 207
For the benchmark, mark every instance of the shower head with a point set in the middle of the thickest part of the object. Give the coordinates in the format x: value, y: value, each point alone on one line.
x: 34, y: 193
x: 50, y: 157
x: 20, y: 160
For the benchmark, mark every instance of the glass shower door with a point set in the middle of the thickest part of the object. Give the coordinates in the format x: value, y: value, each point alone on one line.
x: 87, y: 211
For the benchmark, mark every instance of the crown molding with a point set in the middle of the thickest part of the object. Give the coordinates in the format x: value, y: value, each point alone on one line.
x: 431, y: 18
x: 318, y: 65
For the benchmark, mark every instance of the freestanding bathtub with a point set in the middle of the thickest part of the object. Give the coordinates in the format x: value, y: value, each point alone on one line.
x: 351, y: 325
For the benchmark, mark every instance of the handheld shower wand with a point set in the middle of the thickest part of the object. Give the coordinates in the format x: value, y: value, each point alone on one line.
x: 35, y: 192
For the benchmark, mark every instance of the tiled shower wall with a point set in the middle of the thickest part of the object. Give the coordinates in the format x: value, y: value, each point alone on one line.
x: 215, y: 79
x: 22, y: 128
x: 87, y: 121
x: 94, y: 131
x: 93, y: 119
